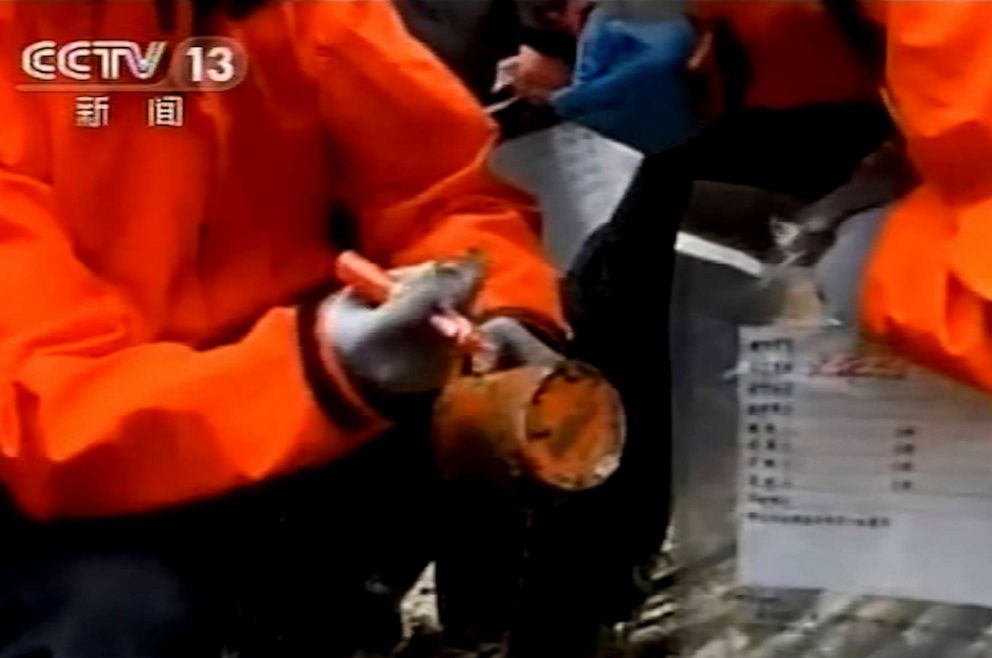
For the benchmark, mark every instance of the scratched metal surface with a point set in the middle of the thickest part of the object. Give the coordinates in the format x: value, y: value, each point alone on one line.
x: 700, y: 612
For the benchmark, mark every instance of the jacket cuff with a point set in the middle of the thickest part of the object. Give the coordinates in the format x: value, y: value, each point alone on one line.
x: 326, y: 376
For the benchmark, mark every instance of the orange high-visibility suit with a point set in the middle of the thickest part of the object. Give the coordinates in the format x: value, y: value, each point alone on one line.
x: 928, y: 288
x: 148, y: 275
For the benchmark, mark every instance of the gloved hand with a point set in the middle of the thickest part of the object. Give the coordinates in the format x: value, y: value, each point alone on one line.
x: 392, y: 349
x: 513, y: 345
x: 878, y: 181
x: 536, y: 76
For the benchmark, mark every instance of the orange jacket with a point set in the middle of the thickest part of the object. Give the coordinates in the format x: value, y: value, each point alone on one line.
x: 148, y: 339
x: 929, y: 284
x: 796, y: 54
x: 928, y: 288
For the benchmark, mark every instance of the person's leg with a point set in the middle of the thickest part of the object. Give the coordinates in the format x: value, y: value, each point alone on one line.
x: 480, y: 557
x: 313, y: 564
x: 317, y: 563
x: 98, y: 606
x: 310, y: 565
x: 583, y: 550
x: 327, y: 555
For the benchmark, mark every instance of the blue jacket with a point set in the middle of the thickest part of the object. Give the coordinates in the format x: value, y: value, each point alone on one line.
x: 631, y: 81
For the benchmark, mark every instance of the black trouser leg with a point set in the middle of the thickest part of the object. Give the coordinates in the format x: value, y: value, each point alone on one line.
x: 98, y: 606
x: 310, y: 565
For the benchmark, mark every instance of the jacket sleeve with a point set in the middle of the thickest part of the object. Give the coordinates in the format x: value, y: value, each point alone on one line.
x: 413, y: 147
x: 928, y: 288
x: 95, y: 417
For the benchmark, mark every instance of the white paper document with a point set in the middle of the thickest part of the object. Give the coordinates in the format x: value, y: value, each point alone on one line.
x: 578, y: 177
x: 859, y: 472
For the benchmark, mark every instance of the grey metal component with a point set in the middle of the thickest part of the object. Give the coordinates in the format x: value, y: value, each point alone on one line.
x: 874, y: 624
x: 715, y: 618
x: 941, y: 631
x: 841, y: 270
x: 710, y: 302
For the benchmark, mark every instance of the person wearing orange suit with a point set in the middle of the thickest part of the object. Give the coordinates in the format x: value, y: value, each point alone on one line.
x: 172, y: 331
x: 926, y: 286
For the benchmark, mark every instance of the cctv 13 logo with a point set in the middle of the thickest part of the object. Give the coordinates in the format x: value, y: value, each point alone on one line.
x: 199, y: 63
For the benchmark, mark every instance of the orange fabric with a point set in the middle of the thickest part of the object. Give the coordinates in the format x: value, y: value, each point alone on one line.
x: 929, y: 284
x: 147, y: 343
x: 796, y: 53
